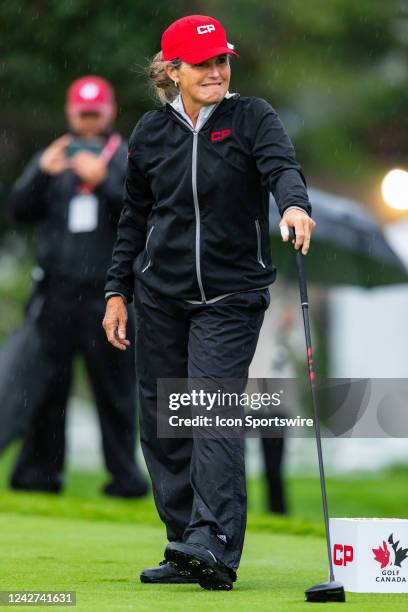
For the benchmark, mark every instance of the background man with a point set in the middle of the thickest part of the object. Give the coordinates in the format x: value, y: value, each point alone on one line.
x: 72, y: 193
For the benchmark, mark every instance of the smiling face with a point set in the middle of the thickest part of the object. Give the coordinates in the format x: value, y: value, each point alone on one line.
x: 202, y: 84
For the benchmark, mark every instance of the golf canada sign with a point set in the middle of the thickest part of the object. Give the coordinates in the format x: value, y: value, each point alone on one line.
x: 390, y: 555
x: 370, y: 554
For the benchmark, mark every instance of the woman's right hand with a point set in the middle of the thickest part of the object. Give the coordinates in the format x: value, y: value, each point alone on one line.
x: 114, y: 322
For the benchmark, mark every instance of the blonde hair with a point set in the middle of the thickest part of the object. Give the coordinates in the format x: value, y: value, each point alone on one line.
x: 163, y: 86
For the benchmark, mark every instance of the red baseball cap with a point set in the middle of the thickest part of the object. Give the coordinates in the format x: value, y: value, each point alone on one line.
x: 194, y: 39
x: 90, y: 93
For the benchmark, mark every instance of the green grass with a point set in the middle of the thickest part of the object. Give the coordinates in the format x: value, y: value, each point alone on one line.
x: 383, y: 494
x: 96, y: 546
x: 101, y: 560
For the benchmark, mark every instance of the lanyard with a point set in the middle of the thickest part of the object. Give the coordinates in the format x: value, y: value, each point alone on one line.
x: 106, y: 154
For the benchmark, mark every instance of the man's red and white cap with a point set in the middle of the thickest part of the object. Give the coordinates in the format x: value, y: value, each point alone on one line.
x: 90, y: 94
x: 194, y: 39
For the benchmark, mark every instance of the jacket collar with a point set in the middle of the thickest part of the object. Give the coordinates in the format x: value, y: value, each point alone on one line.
x: 176, y: 110
x: 203, y: 115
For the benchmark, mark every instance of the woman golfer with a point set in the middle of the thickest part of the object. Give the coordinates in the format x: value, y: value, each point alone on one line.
x: 193, y: 251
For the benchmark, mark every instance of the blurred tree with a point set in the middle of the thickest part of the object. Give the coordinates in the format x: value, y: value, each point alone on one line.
x: 337, y: 71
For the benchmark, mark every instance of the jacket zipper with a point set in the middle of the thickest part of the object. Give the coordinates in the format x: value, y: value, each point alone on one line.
x: 259, y: 243
x: 196, y: 204
x: 149, y: 263
x: 197, y: 214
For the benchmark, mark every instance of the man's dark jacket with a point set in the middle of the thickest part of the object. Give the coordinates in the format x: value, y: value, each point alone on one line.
x: 195, y: 218
x: 43, y: 200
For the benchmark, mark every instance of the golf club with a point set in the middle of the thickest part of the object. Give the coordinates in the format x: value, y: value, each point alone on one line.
x: 331, y: 590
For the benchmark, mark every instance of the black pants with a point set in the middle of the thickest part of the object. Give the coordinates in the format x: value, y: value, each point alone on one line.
x: 273, y: 450
x: 198, y: 484
x: 70, y: 321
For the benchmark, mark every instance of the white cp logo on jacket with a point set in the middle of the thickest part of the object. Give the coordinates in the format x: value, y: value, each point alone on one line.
x: 206, y: 29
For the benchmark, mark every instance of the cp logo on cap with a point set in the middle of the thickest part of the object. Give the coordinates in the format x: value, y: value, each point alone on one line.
x: 206, y: 29
x: 89, y: 91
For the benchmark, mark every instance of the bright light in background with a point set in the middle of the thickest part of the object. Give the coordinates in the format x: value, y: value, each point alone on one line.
x: 394, y: 188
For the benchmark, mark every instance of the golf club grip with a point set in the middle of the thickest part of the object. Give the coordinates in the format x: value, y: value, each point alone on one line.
x: 300, y: 263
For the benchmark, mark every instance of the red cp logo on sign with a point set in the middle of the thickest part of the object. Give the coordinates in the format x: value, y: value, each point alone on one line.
x: 342, y: 554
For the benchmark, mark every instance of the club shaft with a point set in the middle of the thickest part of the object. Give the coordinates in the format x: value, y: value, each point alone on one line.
x: 309, y: 350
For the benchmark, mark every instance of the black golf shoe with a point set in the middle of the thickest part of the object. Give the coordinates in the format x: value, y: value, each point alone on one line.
x: 37, y: 485
x: 166, y: 574
x: 201, y: 563
x: 134, y: 490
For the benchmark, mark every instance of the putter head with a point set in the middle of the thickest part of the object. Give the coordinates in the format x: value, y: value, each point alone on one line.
x: 326, y: 592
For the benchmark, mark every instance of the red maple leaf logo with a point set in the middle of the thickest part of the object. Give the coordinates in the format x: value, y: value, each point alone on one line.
x: 382, y: 555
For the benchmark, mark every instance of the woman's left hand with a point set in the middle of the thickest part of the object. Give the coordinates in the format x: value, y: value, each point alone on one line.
x: 303, y: 226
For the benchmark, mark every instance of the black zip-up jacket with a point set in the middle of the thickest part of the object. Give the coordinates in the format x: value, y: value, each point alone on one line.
x: 43, y: 200
x: 195, y: 218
